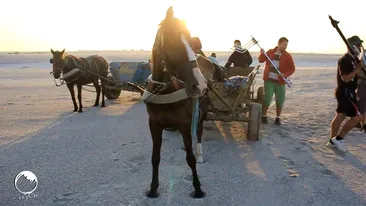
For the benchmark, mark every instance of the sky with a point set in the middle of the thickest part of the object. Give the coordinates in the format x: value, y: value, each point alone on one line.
x: 40, y: 25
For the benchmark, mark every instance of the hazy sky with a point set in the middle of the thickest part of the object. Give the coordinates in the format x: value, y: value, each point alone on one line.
x: 38, y: 25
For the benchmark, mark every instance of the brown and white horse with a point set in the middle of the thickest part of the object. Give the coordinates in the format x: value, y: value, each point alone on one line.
x: 175, y: 81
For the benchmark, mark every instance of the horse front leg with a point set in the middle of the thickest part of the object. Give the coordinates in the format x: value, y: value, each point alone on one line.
x: 103, y: 82
x: 156, y: 134
x: 191, y: 160
x: 79, y: 86
x: 204, y: 110
x: 199, y: 142
x: 97, y: 89
x: 72, y: 93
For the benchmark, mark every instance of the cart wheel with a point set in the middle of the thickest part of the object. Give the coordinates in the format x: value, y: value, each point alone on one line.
x: 111, y: 93
x: 255, y: 113
x: 260, y: 95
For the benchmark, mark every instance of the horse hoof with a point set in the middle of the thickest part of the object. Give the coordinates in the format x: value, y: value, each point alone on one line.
x: 80, y: 111
x: 152, y: 194
x: 198, y: 194
x: 103, y: 105
x: 75, y: 110
x: 95, y: 105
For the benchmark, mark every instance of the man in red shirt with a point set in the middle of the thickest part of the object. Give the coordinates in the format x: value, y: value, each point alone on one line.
x: 273, y: 81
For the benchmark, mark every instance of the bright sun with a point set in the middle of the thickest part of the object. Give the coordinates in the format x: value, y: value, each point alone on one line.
x: 195, y: 19
x: 194, y: 28
x: 182, y: 12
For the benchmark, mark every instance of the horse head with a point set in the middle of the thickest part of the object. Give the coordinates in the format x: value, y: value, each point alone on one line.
x: 58, y: 62
x: 172, y: 55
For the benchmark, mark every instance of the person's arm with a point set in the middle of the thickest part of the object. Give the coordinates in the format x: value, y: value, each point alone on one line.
x: 229, y: 61
x: 291, y: 67
x: 262, y: 58
x: 346, y: 70
x: 249, y: 58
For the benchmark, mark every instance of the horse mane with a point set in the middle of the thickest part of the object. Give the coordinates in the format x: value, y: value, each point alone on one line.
x: 71, y: 56
x: 73, y: 63
x: 158, y: 64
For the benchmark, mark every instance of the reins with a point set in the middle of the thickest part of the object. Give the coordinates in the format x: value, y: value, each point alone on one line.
x: 59, y: 85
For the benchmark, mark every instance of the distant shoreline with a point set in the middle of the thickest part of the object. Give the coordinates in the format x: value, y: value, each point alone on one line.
x: 146, y: 51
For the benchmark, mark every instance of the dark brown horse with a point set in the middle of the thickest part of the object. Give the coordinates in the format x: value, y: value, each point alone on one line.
x: 175, y: 81
x: 80, y: 71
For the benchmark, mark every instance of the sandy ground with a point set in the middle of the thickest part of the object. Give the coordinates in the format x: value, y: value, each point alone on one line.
x: 102, y: 156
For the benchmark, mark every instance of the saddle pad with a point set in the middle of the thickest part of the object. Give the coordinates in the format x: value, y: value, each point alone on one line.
x: 233, y: 84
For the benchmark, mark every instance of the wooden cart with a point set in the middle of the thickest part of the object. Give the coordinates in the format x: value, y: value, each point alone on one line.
x: 126, y: 76
x: 240, y: 106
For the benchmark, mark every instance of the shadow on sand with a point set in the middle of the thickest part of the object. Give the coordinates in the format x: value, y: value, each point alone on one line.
x: 103, y: 157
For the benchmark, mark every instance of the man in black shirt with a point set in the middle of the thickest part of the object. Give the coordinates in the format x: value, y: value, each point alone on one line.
x: 239, y: 57
x: 345, y: 94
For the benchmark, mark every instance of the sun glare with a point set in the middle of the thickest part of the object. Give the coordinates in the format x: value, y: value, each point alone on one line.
x: 118, y: 25
x: 182, y: 13
x: 197, y: 25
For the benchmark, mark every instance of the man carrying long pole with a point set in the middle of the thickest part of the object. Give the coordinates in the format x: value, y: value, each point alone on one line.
x: 279, y: 66
x: 349, y: 66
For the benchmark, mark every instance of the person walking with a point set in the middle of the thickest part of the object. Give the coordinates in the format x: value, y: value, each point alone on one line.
x: 345, y: 94
x: 361, y: 93
x: 273, y: 81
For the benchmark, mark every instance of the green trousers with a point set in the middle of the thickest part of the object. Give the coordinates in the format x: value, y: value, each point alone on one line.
x: 271, y: 88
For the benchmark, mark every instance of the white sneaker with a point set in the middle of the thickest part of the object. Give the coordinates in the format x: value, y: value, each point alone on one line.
x: 339, y: 144
x: 331, y: 144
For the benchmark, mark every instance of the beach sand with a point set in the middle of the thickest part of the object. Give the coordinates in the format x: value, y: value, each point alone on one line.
x: 102, y: 156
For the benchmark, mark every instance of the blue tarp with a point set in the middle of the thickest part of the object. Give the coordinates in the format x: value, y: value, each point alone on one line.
x: 136, y: 72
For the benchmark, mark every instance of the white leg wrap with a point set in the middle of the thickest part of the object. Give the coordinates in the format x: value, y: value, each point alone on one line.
x: 199, y: 158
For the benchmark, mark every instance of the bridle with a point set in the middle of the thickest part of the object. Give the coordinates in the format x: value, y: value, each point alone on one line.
x: 65, y: 61
x: 61, y: 69
x: 169, y: 71
x: 164, y: 61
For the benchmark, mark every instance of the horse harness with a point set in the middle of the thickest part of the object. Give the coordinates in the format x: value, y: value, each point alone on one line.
x: 85, y: 67
x: 156, y: 97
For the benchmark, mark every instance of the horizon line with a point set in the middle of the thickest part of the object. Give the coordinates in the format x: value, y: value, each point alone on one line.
x: 142, y: 50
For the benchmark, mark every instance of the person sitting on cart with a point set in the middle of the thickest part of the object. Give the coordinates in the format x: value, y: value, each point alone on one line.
x: 213, y: 59
x: 197, y: 49
x: 240, y: 57
x: 197, y: 46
